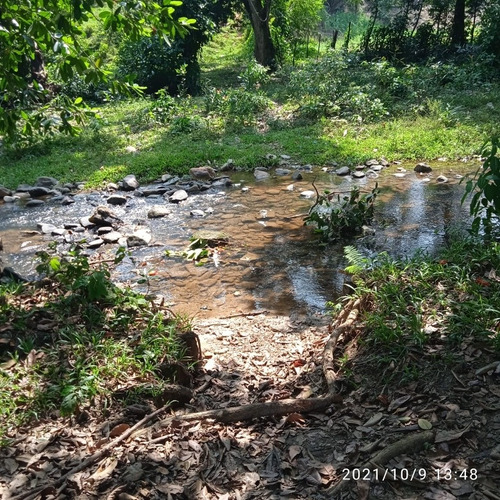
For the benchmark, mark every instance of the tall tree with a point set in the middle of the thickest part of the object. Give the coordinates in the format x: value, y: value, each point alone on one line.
x: 458, y: 27
x: 259, y: 12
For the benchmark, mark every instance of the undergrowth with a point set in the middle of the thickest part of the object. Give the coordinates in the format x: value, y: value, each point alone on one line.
x: 426, y: 305
x: 74, y: 339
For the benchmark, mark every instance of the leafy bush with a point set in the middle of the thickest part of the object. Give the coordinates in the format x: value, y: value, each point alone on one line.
x: 344, y: 217
x: 485, y: 184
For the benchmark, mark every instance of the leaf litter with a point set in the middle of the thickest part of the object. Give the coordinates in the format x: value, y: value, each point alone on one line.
x: 256, y: 358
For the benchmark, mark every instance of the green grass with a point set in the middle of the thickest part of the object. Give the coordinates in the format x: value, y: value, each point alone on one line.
x: 425, y: 303
x: 336, y: 109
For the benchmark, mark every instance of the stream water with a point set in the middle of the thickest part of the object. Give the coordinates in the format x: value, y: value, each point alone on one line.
x: 272, y: 262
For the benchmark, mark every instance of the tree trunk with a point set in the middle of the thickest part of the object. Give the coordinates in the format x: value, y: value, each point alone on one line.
x: 264, y: 50
x: 458, y: 29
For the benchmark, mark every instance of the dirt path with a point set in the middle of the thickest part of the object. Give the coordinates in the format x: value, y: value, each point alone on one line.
x: 260, y: 357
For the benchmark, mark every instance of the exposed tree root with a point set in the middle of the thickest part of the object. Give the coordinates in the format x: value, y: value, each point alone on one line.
x: 227, y: 415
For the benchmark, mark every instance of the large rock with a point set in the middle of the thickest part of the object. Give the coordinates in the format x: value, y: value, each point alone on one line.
x: 202, y: 173
x: 47, y: 182
x: 130, y: 183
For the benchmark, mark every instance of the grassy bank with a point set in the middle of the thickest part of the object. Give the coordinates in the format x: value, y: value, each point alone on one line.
x: 337, y: 109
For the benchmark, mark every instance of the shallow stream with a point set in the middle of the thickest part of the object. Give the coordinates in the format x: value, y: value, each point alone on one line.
x: 272, y: 262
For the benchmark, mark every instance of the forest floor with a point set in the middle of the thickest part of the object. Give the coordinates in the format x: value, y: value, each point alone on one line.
x: 434, y: 434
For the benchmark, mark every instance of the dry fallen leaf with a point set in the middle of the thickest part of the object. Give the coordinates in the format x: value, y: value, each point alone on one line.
x: 106, y: 467
x: 119, y: 429
x: 294, y: 451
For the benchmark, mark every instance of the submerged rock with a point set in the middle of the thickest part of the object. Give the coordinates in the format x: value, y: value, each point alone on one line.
x: 422, y: 168
x: 260, y: 174
x: 343, y: 171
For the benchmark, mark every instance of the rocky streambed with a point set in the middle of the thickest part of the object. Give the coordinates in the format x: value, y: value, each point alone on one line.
x: 268, y: 261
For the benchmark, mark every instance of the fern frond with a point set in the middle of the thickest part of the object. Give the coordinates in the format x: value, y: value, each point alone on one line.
x: 357, y: 261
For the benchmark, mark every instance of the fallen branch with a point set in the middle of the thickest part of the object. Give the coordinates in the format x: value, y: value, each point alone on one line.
x: 409, y: 444
x: 92, y: 459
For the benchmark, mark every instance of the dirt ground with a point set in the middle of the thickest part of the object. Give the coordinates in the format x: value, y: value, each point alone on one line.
x: 431, y: 433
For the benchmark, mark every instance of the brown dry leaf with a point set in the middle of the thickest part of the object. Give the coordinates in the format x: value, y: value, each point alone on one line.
x: 375, y: 419
x: 10, y: 465
x: 8, y: 364
x: 170, y: 489
x: 295, y: 418
x: 195, y: 446
x: 396, y: 403
x: 294, y: 451
x: 119, y: 429
x: 106, y: 467
x: 446, y: 436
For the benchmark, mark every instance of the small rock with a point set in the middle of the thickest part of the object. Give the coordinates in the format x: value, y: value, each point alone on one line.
x: 401, y: 169
x: 442, y: 179
x: 46, y: 228
x: 130, y: 183
x: 166, y: 177
x: 282, y: 171
x: 376, y: 168
x: 222, y: 182
x: 103, y: 216
x: 71, y: 225
x: 426, y: 179
x: 297, y: 176
x: 260, y: 175
x: 360, y: 167
x: 116, y: 199
x: 104, y: 229
x: 245, y: 189
x: 422, y: 168
x: 384, y: 162
x: 285, y: 157
x: 10, y: 199
x: 197, y: 213
x: 4, y: 192
x: 178, y: 196
x: 34, y: 203
x: 229, y: 165
x: 271, y: 157
x: 343, y: 171
x: 290, y: 187
x: 372, y: 162
x: 367, y: 230
x: 307, y: 194
x: 86, y: 222
x: 95, y: 243
x: 202, y: 173
x: 22, y: 195
x: 67, y: 200
x: 400, y: 175
x: 139, y: 238
x: 131, y: 149
x: 158, y: 211
x: 358, y: 174
x: 112, y: 186
x: 111, y: 237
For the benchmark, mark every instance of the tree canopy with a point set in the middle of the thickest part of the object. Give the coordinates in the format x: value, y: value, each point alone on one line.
x: 34, y: 30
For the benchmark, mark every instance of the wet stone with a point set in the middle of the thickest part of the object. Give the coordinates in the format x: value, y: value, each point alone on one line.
x: 158, y: 211
x: 260, y: 175
x: 4, y: 192
x: 202, y: 173
x: 34, y: 203
x: 139, y: 238
x: 116, y: 199
x: 376, y: 168
x: 372, y: 162
x: 111, y: 237
x: 95, y: 243
x: 67, y: 200
x: 441, y: 179
x: 38, y: 191
x: 297, y: 176
x: 10, y: 199
x: 104, y: 230
x: 422, y: 168
x: 358, y: 174
x: 47, y: 182
x: 130, y: 183
x: 197, y: 213
x: 307, y: 194
x: 86, y: 222
x: 46, y: 228
x: 343, y: 171
x: 282, y: 171
x: 179, y: 195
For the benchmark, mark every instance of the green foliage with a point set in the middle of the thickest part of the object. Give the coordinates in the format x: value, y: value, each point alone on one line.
x: 489, y: 36
x: 344, y: 217
x: 53, y: 31
x: 449, y: 299
x: 356, y: 260
x: 485, y: 184
x: 100, y: 337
